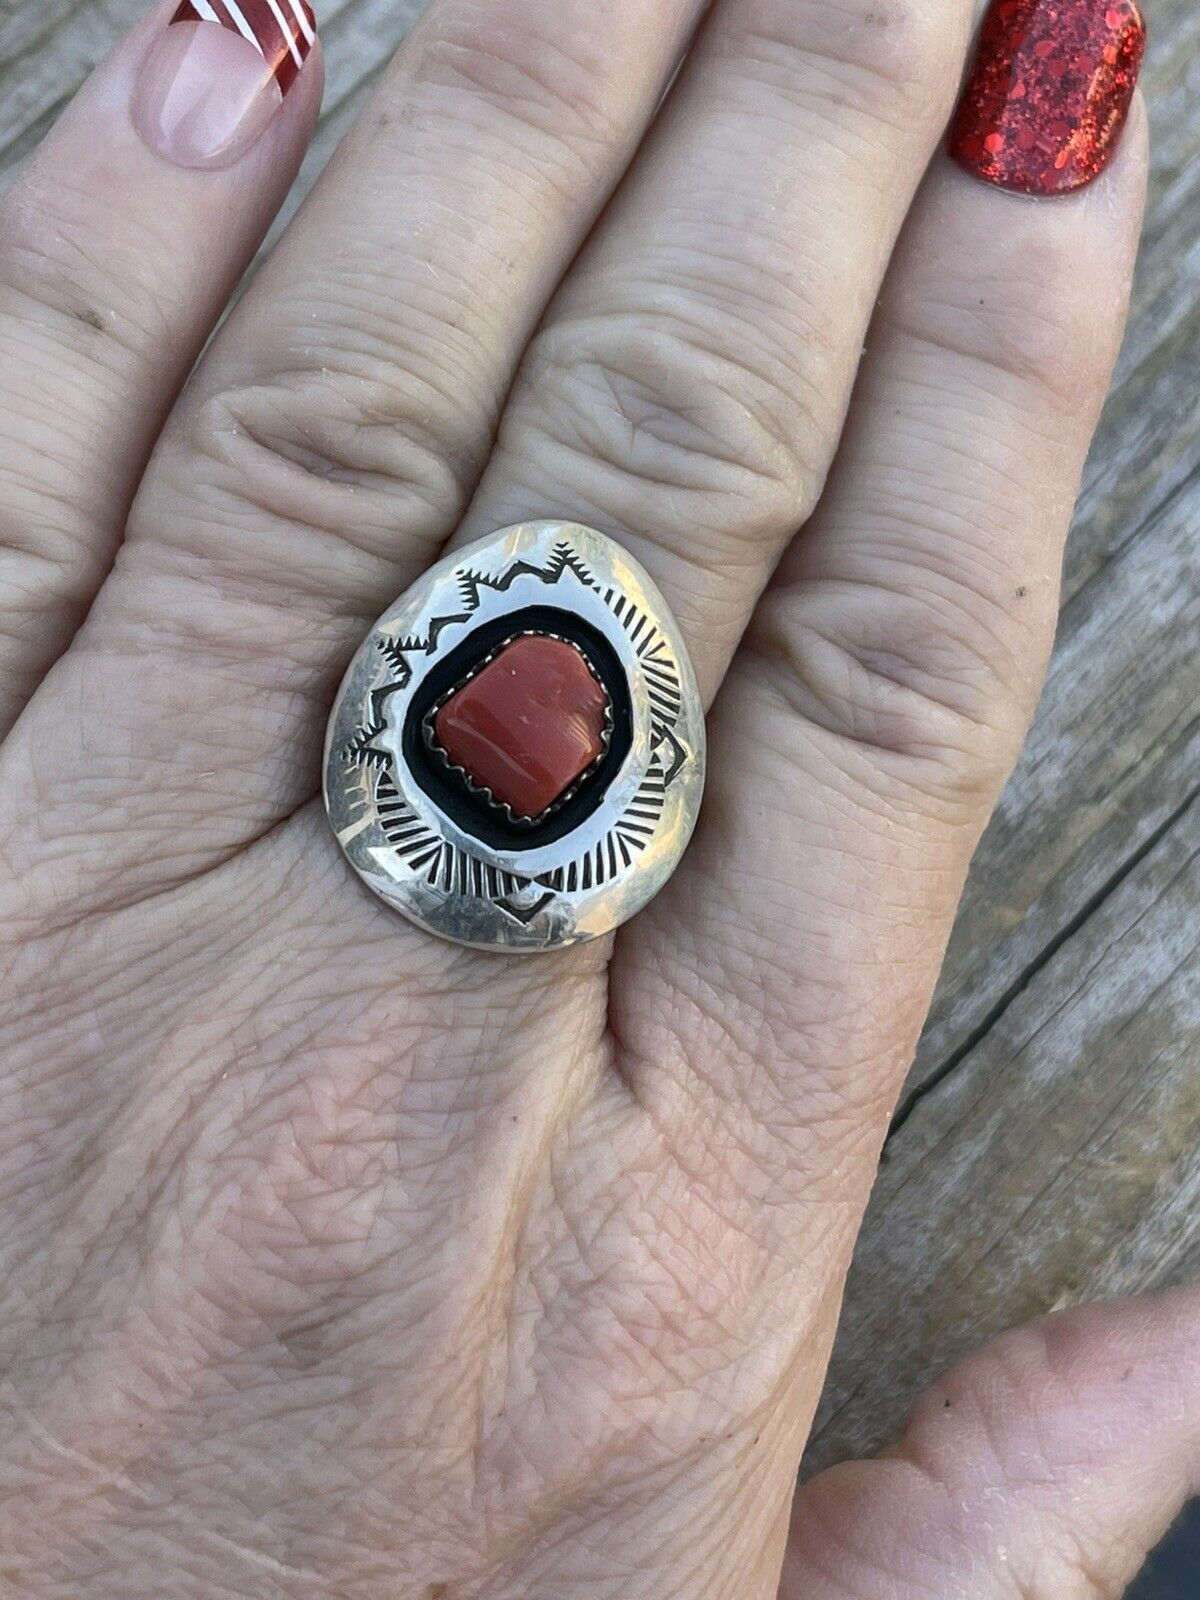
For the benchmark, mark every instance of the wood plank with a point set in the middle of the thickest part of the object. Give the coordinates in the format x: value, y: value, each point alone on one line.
x: 1058, y: 1161
x: 1113, y: 756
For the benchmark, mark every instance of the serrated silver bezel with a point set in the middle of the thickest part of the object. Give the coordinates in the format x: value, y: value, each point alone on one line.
x: 480, y: 792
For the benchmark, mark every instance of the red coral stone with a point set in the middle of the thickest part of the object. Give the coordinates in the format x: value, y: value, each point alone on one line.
x: 528, y: 725
x: 1049, y: 92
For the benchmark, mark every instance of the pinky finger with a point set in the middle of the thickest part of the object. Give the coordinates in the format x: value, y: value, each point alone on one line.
x: 119, y: 247
x: 1047, y: 1467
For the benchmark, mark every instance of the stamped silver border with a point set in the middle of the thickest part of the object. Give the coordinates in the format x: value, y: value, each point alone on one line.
x: 414, y: 856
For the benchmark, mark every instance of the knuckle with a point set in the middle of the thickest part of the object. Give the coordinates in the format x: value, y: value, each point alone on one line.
x: 894, y: 59
x: 99, y: 313
x: 1029, y: 344
x: 693, y: 1294
x: 651, y: 412
x: 362, y: 460
x: 531, y: 72
x: 760, y: 1019
x: 988, y: 1430
x: 921, y: 681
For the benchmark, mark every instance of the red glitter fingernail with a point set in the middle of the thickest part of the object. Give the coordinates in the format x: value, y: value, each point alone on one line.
x: 1049, y: 92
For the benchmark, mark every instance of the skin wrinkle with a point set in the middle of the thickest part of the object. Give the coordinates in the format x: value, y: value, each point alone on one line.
x: 893, y: 44
x: 537, y: 83
x: 912, y: 762
x: 106, y: 320
x: 970, y: 638
x: 617, y: 1571
x: 624, y: 84
x: 748, y: 1029
x: 52, y: 291
x: 657, y: 382
x: 432, y: 474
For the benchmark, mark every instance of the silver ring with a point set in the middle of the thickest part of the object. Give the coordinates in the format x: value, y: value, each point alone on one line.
x: 515, y: 759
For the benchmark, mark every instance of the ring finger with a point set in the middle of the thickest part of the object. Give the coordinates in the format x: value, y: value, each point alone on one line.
x: 688, y: 388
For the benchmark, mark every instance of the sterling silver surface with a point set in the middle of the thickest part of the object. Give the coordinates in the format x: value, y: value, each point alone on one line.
x: 424, y: 861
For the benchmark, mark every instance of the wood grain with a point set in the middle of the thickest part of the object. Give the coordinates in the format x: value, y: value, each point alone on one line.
x: 1046, y: 1147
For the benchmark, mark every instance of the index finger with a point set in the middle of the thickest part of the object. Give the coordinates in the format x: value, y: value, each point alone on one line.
x: 120, y: 244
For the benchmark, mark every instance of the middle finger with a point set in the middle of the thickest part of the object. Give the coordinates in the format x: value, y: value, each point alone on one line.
x: 688, y: 388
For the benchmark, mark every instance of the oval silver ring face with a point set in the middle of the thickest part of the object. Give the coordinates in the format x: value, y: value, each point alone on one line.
x: 515, y: 760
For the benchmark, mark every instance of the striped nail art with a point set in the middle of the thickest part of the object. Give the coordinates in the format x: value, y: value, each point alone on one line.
x: 282, y: 31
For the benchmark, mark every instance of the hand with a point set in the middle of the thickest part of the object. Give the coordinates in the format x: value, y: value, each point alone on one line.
x: 338, y: 1262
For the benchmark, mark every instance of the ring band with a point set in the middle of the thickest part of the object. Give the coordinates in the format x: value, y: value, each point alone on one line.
x: 515, y: 759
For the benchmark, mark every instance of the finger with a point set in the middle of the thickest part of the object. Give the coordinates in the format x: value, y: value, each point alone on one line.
x: 332, y: 435
x: 119, y: 246
x: 687, y: 391
x: 885, y: 687
x: 1047, y: 1467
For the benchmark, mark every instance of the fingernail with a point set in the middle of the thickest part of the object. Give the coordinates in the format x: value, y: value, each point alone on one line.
x: 214, y: 80
x: 1049, y: 92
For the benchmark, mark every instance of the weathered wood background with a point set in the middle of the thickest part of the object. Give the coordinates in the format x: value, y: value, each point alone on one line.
x: 1046, y: 1148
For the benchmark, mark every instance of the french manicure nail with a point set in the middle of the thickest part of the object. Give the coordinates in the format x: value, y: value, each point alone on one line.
x: 1049, y: 92
x: 213, y: 82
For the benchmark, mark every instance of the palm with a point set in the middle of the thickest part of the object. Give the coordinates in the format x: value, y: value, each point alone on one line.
x: 539, y: 1240
x: 359, y: 1134
x: 338, y: 1262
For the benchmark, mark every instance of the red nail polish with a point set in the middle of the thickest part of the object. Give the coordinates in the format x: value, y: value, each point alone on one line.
x: 282, y: 31
x: 1049, y: 92
x: 205, y: 95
